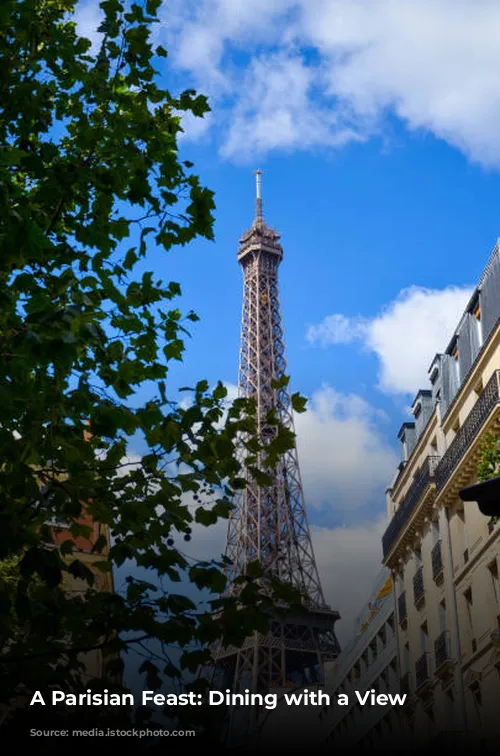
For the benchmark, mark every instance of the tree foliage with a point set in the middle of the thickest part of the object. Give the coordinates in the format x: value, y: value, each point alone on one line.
x: 90, y: 179
x: 489, y: 463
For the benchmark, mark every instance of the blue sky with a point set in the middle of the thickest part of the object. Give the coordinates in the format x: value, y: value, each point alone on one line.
x: 376, y: 126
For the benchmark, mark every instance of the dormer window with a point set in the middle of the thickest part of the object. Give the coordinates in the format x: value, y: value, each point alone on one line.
x: 479, y: 328
x: 434, y: 369
x: 456, y: 365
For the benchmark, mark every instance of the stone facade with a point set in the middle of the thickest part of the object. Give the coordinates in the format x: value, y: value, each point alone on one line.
x: 444, y: 555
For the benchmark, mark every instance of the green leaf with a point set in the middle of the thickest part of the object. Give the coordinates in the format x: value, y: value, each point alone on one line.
x: 298, y: 403
x: 192, y: 660
x: 205, y: 516
x: 281, y: 382
x: 260, y: 477
x: 80, y: 571
x: 153, y: 679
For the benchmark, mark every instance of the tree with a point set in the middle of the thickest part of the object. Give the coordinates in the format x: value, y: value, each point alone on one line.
x: 90, y: 176
x: 489, y: 462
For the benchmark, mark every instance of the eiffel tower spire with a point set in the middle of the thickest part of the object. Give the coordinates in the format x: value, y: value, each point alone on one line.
x: 269, y: 524
x: 258, y: 198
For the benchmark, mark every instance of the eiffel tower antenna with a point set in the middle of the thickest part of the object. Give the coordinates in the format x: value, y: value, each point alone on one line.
x: 258, y: 201
x: 269, y: 524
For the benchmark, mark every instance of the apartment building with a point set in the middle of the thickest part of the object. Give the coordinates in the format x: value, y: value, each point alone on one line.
x: 444, y: 556
x: 368, y: 663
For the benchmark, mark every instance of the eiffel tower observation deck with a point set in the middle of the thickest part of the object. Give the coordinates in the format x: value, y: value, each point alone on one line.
x: 269, y: 524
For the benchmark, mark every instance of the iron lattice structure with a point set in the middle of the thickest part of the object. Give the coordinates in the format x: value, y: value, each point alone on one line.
x: 269, y: 524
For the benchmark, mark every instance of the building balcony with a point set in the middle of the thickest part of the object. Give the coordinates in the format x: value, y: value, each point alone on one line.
x: 409, y: 504
x: 422, y: 672
x: 437, y: 561
x: 442, y: 652
x: 402, y: 616
x: 418, y: 586
x: 469, y: 432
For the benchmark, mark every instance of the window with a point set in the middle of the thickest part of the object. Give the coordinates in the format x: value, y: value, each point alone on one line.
x: 468, y: 611
x: 406, y: 657
x: 475, y: 689
x: 435, y: 531
x: 456, y: 365
x: 400, y: 583
x: 424, y: 637
x: 449, y: 702
x: 461, y: 532
x: 381, y: 637
x: 493, y: 571
x: 390, y: 624
x: 442, y: 615
x: 384, y: 679
x: 479, y: 328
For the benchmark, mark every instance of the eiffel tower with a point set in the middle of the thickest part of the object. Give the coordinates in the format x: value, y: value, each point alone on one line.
x: 269, y: 524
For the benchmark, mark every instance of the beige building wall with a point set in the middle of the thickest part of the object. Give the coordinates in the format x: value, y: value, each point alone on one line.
x: 369, y: 662
x: 445, y: 557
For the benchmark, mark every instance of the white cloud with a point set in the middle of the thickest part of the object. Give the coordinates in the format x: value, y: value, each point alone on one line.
x: 348, y: 559
x: 345, y: 462
x: 194, y: 128
x: 206, y: 543
x: 405, y: 336
x: 88, y: 19
x: 344, y: 65
x: 279, y: 110
x: 337, y: 329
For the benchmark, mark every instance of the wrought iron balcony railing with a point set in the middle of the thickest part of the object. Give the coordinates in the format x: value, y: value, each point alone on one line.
x: 437, y: 561
x: 402, y: 608
x: 418, y: 586
x: 469, y: 431
x: 422, y: 670
x: 442, y: 650
x: 409, y: 503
